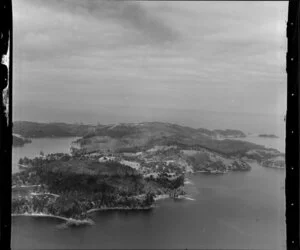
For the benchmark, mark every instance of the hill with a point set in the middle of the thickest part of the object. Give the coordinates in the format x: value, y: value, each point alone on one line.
x: 56, y: 129
x: 125, y: 136
x: 125, y: 166
x: 141, y: 138
x: 39, y: 130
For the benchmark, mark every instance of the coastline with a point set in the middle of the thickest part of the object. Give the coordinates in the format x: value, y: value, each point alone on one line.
x: 25, y: 186
x: 69, y: 221
x: 161, y: 197
x: 213, y: 172
x: 179, y: 197
x: 272, y: 167
x: 42, y: 215
x: 119, y: 208
x: 174, y: 195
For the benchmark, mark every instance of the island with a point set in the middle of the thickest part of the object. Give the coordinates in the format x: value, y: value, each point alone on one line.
x: 53, y: 129
x: 230, y: 133
x: 127, y: 166
x: 59, y: 129
x: 268, y: 136
x: 275, y: 162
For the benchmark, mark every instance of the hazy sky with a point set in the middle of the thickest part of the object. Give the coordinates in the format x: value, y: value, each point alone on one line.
x: 78, y: 59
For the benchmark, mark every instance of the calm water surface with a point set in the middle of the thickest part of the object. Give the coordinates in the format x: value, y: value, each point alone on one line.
x: 277, y: 143
x: 47, y: 145
x: 236, y: 210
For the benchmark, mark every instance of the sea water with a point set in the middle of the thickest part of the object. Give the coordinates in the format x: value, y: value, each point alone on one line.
x: 235, y: 210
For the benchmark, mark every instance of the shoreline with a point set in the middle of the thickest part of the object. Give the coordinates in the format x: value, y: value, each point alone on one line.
x: 273, y: 167
x: 42, y: 215
x: 161, y: 197
x: 179, y: 197
x: 69, y: 221
x: 214, y: 173
x: 25, y: 186
x: 119, y: 208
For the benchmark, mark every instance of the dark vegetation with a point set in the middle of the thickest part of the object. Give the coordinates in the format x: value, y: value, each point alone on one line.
x: 39, y: 130
x: 129, y: 136
x: 231, y: 147
x: 117, y: 132
x: 19, y: 142
x: 130, y: 150
x: 224, y: 147
x: 262, y: 155
x: 85, y: 184
x: 268, y: 135
x: 156, y: 129
x: 175, y: 183
x: 230, y: 133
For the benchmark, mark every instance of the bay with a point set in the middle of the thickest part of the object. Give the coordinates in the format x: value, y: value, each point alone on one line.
x: 235, y: 210
x: 46, y: 145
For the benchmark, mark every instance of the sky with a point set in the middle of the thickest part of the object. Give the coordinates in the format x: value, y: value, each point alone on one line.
x: 125, y: 61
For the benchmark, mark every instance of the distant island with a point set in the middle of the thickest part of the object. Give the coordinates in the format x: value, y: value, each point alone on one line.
x: 268, y: 136
x: 230, y: 133
x: 276, y: 162
x: 59, y: 129
x: 46, y: 130
x: 125, y: 166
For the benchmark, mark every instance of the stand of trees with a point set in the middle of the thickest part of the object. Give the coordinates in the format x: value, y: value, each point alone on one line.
x: 83, y: 184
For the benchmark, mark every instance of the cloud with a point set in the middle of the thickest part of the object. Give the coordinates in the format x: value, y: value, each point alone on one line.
x: 171, y: 54
x: 128, y: 14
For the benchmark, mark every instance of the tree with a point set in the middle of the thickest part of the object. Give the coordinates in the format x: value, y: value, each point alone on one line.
x: 25, y: 160
x: 179, y: 181
x: 149, y: 199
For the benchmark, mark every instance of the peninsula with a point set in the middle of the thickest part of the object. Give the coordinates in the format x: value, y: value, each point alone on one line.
x: 126, y: 166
